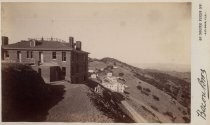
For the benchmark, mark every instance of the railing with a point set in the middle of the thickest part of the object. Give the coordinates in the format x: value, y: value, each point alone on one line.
x: 46, y: 39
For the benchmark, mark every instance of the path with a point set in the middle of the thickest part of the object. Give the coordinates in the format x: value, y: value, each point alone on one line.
x: 76, y: 106
x: 135, y: 115
x: 161, y: 117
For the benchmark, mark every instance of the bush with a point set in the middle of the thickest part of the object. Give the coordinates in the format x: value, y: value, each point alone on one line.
x: 139, y: 87
x: 184, y: 112
x: 155, y: 98
x: 170, y: 115
x: 187, y: 120
x: 145, y: 93
x: 155, y: 108
x: 146, y: 89
x: 121, y: 74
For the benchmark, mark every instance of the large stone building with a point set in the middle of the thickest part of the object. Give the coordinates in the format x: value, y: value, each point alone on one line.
x: 52, y: 58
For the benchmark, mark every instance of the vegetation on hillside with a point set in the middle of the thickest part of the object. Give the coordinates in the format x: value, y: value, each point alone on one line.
x: 173, y: 85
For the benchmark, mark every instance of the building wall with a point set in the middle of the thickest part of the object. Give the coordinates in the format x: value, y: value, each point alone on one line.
x: 58, y: 60
x: 55, y: 74
x: 76, y: 63
x: 25, y: 59
x: 79, y: 67
x: 45, y: 73
x: 12, y: 56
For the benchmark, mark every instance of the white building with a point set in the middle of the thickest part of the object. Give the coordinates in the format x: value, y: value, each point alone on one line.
x: 90, y: 71
x: 102, y: 69
x: 115, y: 67
x: 98, y: 89
x: 94, y: 75
x: 112, y: 84
x: 109, y: 74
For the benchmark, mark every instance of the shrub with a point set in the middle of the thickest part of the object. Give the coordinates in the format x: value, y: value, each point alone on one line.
x: 155, y: 98
x: 184, y: 112
x: 121, y: 74
x: 155, y: 108
x: 146, y: 89
x: 170, y: 115
x: 139, y: 87
x: 145, y: 93
x: 187, y: 120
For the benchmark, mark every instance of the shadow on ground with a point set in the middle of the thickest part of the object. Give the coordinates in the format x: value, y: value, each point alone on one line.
x: 25, y: 96
x: 109, y: 103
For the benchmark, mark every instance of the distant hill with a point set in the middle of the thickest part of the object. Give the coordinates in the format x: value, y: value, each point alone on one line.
x: 166, y: 92
x: 164, y: 67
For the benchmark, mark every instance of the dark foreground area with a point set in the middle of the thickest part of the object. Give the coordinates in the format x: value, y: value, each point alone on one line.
x: 25, y: 96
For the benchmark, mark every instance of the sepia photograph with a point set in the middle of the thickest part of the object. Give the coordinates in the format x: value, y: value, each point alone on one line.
x: 96, y: 62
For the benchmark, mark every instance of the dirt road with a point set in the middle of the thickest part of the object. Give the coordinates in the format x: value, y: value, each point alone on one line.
x: 76, y: 106
x: 160, y: 116
x: 136, y: 116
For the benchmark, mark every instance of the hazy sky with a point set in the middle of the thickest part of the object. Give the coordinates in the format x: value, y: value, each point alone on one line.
x: 133, y: 33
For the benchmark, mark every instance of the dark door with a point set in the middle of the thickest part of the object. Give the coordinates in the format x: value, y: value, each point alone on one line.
x: 63, y: 72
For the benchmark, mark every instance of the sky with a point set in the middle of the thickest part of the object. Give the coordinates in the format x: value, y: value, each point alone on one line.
x: 131, y: 32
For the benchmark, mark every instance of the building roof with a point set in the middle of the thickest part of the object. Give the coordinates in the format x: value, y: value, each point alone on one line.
x: 41, y: 45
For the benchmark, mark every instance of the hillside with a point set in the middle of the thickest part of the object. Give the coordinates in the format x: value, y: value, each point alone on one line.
x: 159, y: 96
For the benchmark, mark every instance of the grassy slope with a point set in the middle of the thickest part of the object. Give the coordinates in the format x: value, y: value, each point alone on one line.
x: 166, y: 93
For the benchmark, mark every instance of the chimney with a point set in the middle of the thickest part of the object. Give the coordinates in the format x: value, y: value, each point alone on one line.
x: 71, y: 42
x: 5, y: 40
x: 78, y: 45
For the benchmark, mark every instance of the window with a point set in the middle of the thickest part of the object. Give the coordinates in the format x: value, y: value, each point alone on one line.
x: 31, y: 54
x: 18, y: 54
x: 64, y: 71
x: 53, y: 55
x: 6, y: 54
x: 27, y: 54
x: 63, y: 56
x: 41, y: 57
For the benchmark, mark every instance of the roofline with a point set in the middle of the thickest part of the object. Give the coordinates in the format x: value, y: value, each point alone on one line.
x: 44, y: 49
